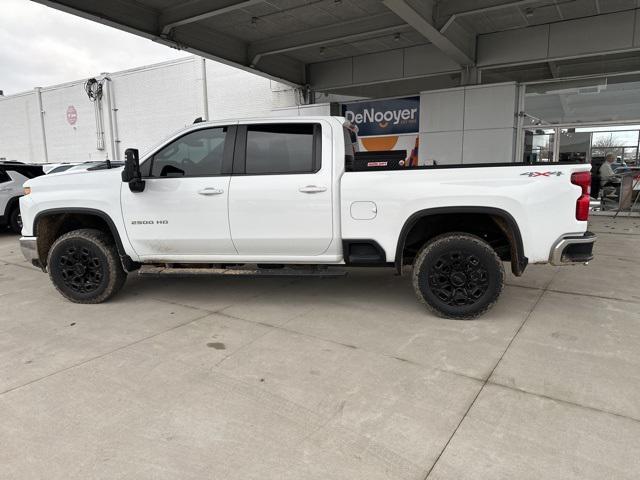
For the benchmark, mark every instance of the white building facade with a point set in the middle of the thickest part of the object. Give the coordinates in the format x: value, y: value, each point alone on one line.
x: 138, y: 108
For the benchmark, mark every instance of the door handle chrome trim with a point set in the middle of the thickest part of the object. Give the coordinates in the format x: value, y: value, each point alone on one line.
x: 312, y: 189
x: 210, y: 191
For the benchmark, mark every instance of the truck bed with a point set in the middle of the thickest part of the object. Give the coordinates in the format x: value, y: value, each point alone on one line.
x: 540, y: 198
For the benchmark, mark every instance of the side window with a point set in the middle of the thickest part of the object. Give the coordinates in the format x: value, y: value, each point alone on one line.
x: 283, y: 148
x: 4, y: 177
x: 30, y: 172
x: 195, y: 154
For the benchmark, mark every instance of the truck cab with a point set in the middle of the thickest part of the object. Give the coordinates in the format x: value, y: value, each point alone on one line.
x: 268, y: 189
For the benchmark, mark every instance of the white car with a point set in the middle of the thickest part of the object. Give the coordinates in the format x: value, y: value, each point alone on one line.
x: 12, y: 178
x: 75, y: 167
x: 49, y: 168
x: 291, y: 191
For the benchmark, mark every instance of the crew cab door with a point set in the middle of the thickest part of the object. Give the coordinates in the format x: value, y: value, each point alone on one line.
x: 281, y: 189
x: 183, y: 209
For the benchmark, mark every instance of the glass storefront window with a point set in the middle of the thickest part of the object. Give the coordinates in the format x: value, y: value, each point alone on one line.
x: 630, y: 156
x: 584, y: 144
x: 615, y: 139
x: 539, y: 145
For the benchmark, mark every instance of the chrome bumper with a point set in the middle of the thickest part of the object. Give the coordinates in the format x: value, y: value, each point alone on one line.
x: 29, y: 247
x: 573, y: 249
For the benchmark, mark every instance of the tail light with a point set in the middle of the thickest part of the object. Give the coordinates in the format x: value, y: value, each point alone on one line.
x: 583, y: 180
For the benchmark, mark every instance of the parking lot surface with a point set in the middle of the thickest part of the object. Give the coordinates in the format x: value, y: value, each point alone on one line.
x: 343, y: 378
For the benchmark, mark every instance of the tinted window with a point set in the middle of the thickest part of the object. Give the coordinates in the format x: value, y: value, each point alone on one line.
x: 197, y: 153
x: 26, y: 170
x: 4, y: 176
x: 283, y: 148
x: 60, y: 169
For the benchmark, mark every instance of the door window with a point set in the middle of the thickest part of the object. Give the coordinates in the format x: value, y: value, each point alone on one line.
x: 195, y: 154
x: 4, y: 177
x: 283, y: 148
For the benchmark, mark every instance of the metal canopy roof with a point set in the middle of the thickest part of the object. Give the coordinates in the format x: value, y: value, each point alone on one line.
x: 348, y: 45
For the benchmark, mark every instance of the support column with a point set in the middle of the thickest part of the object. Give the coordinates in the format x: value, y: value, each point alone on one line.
x: 469, y: 76
x: 205, y: 91
x: 42, y: 129
x: 113, y: 119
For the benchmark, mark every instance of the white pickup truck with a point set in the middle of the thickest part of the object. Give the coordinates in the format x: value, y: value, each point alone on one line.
x: 292, y: 192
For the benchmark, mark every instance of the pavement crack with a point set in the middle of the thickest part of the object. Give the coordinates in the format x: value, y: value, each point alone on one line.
x: 575, y: 294
x: 561, y: 400
x: 486, y: 380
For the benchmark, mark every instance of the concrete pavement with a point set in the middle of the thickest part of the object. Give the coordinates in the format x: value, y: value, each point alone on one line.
x: 343, y: 378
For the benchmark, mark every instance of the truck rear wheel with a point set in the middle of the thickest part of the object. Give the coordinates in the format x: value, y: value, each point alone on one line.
x: 85, y: 267
x: 458, y: 275
x: 15, y: 220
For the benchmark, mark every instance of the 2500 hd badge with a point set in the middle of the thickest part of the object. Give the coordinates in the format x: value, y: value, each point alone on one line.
x: 149, y: 222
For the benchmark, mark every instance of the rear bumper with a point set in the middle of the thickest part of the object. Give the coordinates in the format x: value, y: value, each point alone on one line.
x: 573, y: 249
x: 29, y: 247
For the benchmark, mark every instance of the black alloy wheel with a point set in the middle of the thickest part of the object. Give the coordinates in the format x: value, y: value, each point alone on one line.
x: 458, y: 275
x: 85, y: 267
x: 458, y: 278
x: 81, y: 268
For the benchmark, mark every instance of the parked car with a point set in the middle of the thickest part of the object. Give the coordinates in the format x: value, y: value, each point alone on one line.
x: 289, y: 192
x: 12, y: 177
x: 74, y: 167
x: 619, y: 167
x: 50, y: 168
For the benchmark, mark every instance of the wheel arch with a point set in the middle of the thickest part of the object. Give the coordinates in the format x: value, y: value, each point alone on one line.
x: 62, y: 220
x: 13, y: 201
x: 502, y: 219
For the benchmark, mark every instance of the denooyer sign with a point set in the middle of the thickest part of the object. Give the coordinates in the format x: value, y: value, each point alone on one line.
x: 384, y: 117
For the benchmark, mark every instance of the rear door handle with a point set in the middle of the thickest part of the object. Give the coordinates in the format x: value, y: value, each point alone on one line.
x: 211, y: 191
x: 312, y: 189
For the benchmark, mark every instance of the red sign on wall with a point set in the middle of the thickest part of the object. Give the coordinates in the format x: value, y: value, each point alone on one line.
x: 72, y: 115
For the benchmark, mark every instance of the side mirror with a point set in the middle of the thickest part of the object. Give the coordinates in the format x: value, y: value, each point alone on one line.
x: 131, y: 173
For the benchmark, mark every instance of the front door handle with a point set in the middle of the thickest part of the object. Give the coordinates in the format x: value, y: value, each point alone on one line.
x: 211, y: 191
x: 312, y: 189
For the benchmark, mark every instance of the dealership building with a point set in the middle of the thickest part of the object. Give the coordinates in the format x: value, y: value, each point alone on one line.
x: 137, y: 107
x: 449, y: 81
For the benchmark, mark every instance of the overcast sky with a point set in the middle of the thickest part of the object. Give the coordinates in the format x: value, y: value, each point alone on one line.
x: 40, y: 46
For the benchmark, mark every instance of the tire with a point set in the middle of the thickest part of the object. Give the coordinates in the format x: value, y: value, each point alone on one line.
x: 85, y: 267
x: 458, y: 276
x: 15, y: 220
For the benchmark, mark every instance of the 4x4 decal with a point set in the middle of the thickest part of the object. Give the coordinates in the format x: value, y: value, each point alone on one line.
x: 542, y: 174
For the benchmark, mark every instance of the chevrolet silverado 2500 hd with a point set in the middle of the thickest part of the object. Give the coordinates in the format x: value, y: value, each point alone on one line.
x: 288, y: 191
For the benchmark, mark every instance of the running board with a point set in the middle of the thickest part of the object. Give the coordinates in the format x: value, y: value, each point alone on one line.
x: 241, y: 272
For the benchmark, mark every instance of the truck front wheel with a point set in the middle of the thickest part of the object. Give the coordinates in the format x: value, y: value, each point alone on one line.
x: 84, y: 266
x: 458, y: 275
